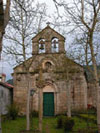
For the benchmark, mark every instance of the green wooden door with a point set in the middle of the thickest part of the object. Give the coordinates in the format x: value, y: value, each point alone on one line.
x: 48, y: 104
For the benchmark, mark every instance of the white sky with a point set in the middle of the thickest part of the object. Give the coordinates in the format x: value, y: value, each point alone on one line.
x: 50, y: 5
x: 5, y: 67
x: 8, y: 69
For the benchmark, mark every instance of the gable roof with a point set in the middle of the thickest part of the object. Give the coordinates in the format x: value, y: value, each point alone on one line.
x: 22, y: 63
x: 10, y: 81
x: 45, y: 29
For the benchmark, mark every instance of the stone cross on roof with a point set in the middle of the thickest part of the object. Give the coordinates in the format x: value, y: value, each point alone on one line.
x: 48, y: 23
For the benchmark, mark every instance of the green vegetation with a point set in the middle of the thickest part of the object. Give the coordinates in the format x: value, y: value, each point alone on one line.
x: 60, y: 121
x: 49, y: 125
x: 65, y: 123
x: 68, y: 124
x: 12, y: 112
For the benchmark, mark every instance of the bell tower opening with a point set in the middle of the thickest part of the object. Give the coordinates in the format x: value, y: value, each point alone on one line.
x: 41, y: 45
x: 54, y: 45
x: 48, y: 41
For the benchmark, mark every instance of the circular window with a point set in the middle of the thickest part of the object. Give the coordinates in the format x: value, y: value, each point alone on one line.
x: 48, y: 66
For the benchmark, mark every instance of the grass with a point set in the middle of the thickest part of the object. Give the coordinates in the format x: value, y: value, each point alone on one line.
x: 15, y: 126
x: 49, y: 124
x: 81, y: 124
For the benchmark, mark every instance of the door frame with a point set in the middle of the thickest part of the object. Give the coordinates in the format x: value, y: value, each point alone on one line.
x: 51, y: 87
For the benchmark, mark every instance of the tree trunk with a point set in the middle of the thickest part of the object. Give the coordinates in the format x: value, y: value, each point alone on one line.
x: 1, y: 38
x: 98, y: 107
x: 69, y: 99
x: 31, y: 110
x: 96, y: 81
x: 40, y: 100
x: 0, y: 118
x: 1, y: 23
x: 40, y: 109
x: 4, y: 18
x: 28, y: 103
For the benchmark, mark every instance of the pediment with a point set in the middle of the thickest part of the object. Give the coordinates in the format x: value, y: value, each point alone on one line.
x: 48, y: 33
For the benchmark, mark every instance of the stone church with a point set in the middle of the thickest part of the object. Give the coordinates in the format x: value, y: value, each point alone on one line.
x: 60, y: 74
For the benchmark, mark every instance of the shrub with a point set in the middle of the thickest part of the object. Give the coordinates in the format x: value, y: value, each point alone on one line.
x: 68, y: 124
x: 87, y: 131
x: 60, y: 121
x: 12, y: 112
x: 4, y: 118
x: 92, y: 110
x: 34, y: 113
x: 77, y: 112
x: 65, y: 122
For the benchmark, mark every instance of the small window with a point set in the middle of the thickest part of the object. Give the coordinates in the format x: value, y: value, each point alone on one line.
x: 48, y: 65
x: 42, y: 46
x: 55, y: 45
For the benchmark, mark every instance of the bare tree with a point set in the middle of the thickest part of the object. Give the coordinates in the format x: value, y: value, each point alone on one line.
x: 40, y: 85
x: 26, y: 19
x: 80, y: 52
x: 67, y: 73
x: 4, y: 18
x: 67, y: 66
x: 85, y: 16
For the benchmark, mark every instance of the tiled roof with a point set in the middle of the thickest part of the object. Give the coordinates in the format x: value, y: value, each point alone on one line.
x: 9, y: 86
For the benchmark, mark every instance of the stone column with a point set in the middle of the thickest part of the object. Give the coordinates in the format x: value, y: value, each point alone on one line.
x: 35, y: 48
x: 61, y: 46
x: 48, y: 46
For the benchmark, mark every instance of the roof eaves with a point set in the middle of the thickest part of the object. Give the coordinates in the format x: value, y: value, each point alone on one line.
x: 6, y: 85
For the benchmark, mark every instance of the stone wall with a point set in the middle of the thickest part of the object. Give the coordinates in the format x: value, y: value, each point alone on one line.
x: 5, y: 99
x: 92, y: 95
x: 78, y: 85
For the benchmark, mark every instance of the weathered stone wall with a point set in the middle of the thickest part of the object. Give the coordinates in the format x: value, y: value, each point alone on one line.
x: 78, y: 85
x: 92, y: 95
x: 5, y: 99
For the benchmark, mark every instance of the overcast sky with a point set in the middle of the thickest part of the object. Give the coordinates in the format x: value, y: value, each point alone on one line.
x: 5, y: 67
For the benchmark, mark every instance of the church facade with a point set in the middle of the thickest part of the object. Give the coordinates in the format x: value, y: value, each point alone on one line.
x: 64, y: 79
